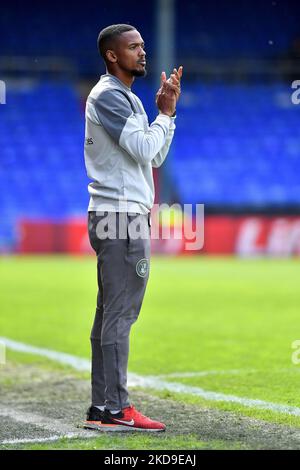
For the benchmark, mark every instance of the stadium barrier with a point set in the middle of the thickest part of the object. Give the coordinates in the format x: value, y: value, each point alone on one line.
x: 223, y: 235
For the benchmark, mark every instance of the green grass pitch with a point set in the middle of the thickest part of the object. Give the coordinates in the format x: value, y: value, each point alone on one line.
x: 237, y: 318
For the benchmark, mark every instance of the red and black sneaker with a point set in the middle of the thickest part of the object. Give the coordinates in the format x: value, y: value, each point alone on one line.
x: 94, y: 418
x: 129, y: 419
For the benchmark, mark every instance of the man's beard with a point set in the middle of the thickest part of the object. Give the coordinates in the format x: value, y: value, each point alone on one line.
x: 139, y: 73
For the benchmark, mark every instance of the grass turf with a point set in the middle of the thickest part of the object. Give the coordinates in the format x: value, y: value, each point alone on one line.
x: 199, y: 314
x: 133, y: 442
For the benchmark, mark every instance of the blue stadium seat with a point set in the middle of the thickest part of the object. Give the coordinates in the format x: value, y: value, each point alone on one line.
x: 233, y: 146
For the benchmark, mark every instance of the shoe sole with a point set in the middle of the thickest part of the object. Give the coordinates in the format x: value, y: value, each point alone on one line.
x: 116, y: 427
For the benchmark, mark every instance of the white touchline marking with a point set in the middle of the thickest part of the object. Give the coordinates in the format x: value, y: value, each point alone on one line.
x: 203, y: 373
x: 154, y: 382
x: 53, y: 425
x: 73, y: 361
x: 45, y: 439
x: 157, y: 384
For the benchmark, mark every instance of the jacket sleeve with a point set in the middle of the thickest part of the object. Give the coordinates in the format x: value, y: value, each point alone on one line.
x: 161, y: 155
x: 114, y: 113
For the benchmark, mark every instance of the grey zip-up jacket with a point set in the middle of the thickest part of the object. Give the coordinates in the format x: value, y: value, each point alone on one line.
x: 121, y: 148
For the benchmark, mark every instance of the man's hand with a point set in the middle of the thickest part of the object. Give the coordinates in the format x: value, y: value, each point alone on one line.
x: 175, y: 79
x: 169, y: 92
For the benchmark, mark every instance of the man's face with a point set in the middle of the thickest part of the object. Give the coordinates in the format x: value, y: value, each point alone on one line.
x: 131, y: 56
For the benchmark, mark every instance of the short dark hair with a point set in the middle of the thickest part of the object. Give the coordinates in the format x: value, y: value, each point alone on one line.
x: 108, y: 34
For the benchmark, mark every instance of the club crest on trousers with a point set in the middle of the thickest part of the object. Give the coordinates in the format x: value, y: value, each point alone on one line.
x: 142, y: 267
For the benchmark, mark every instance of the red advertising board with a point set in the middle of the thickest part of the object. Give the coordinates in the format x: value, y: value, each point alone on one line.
x: 223, y: 235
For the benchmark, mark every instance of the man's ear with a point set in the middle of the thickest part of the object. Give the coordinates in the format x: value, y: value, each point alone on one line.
x: 111, y: 56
